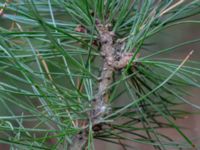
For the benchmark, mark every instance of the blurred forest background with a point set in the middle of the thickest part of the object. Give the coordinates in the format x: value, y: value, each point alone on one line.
x: 164, y: 39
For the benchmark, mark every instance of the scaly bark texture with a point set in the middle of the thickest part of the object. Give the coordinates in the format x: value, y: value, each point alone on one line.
x: 113, y: 59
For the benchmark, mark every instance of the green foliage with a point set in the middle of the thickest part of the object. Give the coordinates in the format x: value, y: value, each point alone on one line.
x: 49, y: 72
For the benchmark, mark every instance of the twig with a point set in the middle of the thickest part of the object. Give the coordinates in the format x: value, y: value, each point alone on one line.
x: 113, y: 59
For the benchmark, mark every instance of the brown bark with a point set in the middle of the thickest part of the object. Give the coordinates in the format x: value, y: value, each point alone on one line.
x: 113, y: 59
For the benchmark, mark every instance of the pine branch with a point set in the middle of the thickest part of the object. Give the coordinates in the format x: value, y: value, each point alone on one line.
x: 48, y: 71
x: 113, y: 59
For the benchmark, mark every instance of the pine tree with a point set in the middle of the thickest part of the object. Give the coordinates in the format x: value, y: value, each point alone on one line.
x: 66, y: 67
